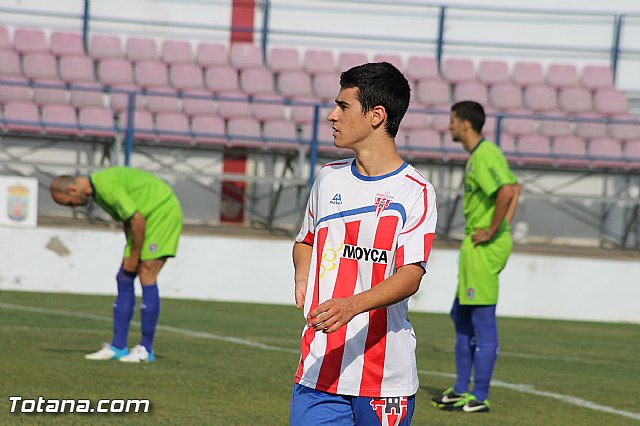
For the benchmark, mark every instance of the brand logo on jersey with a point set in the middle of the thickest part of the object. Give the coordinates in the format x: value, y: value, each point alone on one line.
x: 382, y: 202
x: 329, y: 257
x: 153, y: 247
x: 337, y: 199
x: 390, y: 411
x: 366, y: 254
x: 471, y: 293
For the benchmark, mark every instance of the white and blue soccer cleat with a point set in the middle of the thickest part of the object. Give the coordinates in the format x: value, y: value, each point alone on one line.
x: 107, y: 352
x: 138, y: 354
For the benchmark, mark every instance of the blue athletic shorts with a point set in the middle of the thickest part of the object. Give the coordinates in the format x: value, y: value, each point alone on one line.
x: 311, y: 407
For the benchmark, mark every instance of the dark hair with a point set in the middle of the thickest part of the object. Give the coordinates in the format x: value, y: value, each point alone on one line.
x: 470, y: 111
x: 380, y: 84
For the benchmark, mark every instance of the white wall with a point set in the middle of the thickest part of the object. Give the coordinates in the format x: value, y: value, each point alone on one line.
x: 260, y: 270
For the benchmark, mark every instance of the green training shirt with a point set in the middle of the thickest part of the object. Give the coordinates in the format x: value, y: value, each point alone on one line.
x: 486, y: 171
x: 122, y: 191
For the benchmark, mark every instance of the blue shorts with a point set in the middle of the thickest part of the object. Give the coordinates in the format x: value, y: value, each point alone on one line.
x: 311, y: 407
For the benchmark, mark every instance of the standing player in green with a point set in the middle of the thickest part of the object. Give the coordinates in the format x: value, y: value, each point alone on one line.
x: 490, y: 200
x: 152, y: 219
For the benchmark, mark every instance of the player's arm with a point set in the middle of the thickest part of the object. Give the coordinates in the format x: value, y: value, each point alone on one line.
x: 301, y: 265
x: 332, y: 314
x: 134, y: 228
x: 513, y: 205
x: 504, y: 197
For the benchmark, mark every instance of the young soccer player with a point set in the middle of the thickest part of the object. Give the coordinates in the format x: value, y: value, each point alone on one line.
x: 152, y: 218
x: 490, y: 201
x: 360, y: 254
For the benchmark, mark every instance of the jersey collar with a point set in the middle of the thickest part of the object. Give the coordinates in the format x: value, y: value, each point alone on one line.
x: 375, y: 178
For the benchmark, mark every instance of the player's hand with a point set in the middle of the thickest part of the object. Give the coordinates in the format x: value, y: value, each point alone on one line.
x: 330, y: 315
x: 481, y: 236
x: 130, y: 265
x: 300, y: 293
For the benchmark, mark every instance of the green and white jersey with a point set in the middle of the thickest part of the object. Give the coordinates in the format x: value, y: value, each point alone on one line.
x: 122, y: 191
x: 486, y: 171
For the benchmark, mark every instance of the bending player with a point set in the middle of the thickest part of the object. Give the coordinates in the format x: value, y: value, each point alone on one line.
x: 152, y: 219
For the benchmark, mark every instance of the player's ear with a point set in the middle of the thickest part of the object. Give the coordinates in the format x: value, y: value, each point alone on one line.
x: 378, y: 115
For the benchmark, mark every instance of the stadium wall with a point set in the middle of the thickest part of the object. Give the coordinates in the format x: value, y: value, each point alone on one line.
x: 254, y: 270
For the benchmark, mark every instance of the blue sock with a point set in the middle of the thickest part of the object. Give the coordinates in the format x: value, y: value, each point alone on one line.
x: 149, y: 313
x: 465, y: 346
x: 123, y: 308
x: 486, y: 332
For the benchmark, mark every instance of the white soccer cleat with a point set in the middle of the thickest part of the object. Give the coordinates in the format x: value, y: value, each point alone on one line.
x: 107, y: 352
x: 138, y: 354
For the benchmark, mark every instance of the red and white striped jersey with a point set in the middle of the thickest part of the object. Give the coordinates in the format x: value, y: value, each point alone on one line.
x: 362, y: 229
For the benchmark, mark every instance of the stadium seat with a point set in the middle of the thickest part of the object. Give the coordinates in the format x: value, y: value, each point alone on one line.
x: 78, y: 72
x: 245, y: 55
x: 540, y: 98
x: 29, y: 40
x: 527, y: 74
x: 40, y: 65
x: 519, y: 122
x: 294, y: 84
x: 49, y: 91
x: 605, y: 153
x: 257, y: 81
x: 440, y: 117
x: 5, y: 39
x: 470, y: 91
x: 561, y: 75
x: 280, y: 134
x: 631, y: 153
x: 570, y: 151
x: 594, y: 77
x: 10, y: 64
x: 66, y: 44
x: 96, y: 121
x: 197, y: 102
x: 393, y: 59
x: 609, y: 102
x: 176, y: 52
x: 318, y: 62
x: 302, y: 110
x: 422, y: 68
x: 149, y: 74
x: 455, y: 70
x: 141, y: 49
x: 284, y: 59
x: 187, y: 76
x: 221, y: 79
x: 245, y: 132
x: 22, y: 117
x: 268, y: 107
x: 432, y: 92
x: 59, y: 119
x: 15, y: 89
x: 347, y: 60
x: 115, y: 71
x: 493, y: 72
x: 575, y: 100
x: 590, y: 129
x: 534, y: 149
x: 162, y: 100
x: 208, y: 129
x: 505, y: 96
x: 233, y: 105
x: 142, y: 124
x: 622, y: 130
x: 554, y: 124
x: 105, y: 47
x: 415, y: 118
x: 507, y: 144
x: 325, y: 86
x: 211, y: 54
x: 172, y: 127
x: 424, y: 143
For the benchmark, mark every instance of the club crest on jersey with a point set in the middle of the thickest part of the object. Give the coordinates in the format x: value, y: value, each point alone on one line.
x: 471, y: 293
x: 382, y: 202
x: 336, y: 200
x: 390, y: 411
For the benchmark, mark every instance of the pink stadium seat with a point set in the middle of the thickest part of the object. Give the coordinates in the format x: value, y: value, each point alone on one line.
x: 470, y: 91
x: 280, y: 134
x: 208, y: 129
x: 29, y: 40
x: 302, y: 110
x: 257, y: 81
x: 41, y: 65
x: 244, y: 131
x: 493, y: 72
x: 245, y: 55
x: 347, y: 60
x: 527, y: 74
x: 221, y: 79
x: 141, y: 49
x: 554, y: 124
x: 176, y: 52
x: 540, y: 98
x: 424, y: 143
x: 432, y: 92
x: 10, y: 64
x: 561, y: 75
x: 534, y: 149
x: 326, y: 86
x: 87, y: 95
x: 632, y: 153
x: 457, y: 70
x: 49, y: 91
x: 234, y: 105
x: 96, y: 121
x: 105, y: 46
x: 422, y: 68
x: 172, y: 127
x: 284, y: 59
x: 77, y: 69
x: 575, y: 100
x: 119, y: 97
x: 440, y: 117
x: 596, y: 77
x: 66, y: 44
x: 393, y: 59
x: 622, y: 130
x: 319, y: 62
x: 268, y: 107
x: 294, y: 84
x: 570, y: 151
x: 415, y: 118
x: 162, y: 99
x: 605, y: 153
x: 197, y: 102
x: 609, y: 102
x: 22, y: 117
x: 489, y: 122
x: 590, y: 129
x: 211, y: 54
x: 142, y: 124
x: 115, y: 71
x: 149, y: 74
x: 19, y: 91
x: 186, y: 77
x: 60, y: 119
x: 505, y: 96
x: 521, y: 124
x: 5, y: 39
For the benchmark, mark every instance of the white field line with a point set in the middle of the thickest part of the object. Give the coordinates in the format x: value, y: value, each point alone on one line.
x: 528, y: 389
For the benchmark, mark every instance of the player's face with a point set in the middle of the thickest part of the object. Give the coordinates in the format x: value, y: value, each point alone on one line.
x: 457, y: 127
x: 350, y: 125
